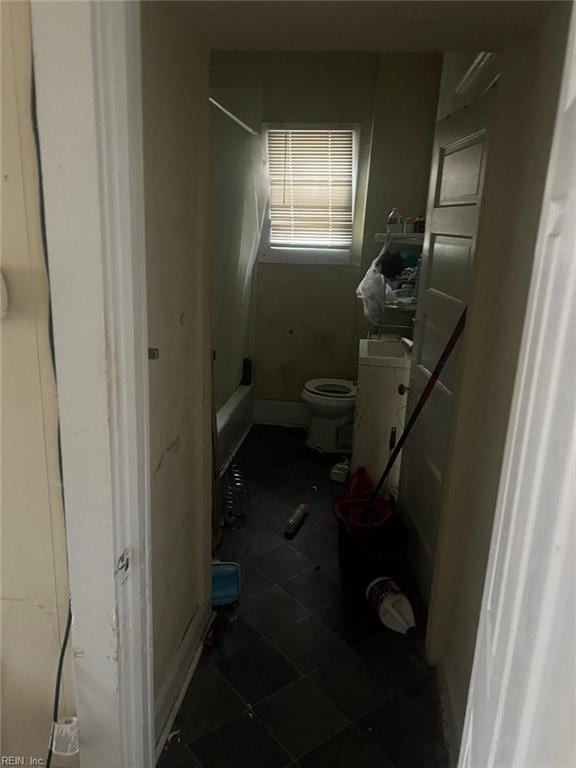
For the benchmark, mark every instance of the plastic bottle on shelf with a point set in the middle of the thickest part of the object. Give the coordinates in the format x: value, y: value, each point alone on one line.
x: 395, y: 223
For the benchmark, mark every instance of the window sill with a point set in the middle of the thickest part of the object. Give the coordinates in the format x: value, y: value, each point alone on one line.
x: 303, y: 255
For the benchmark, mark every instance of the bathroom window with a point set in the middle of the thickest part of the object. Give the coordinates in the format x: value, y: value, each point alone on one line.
x: 312, y: 174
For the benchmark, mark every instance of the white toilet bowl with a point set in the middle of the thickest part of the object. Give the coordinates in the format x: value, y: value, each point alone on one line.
x: 331, y: 404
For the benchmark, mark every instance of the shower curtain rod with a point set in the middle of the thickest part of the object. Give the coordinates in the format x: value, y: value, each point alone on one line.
x: 233, y: 117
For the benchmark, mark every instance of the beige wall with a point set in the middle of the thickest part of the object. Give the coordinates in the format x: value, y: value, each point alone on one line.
x: 519, y: 142
x: 310, y: 87
x: 304, y: 327
x: 404, y: 116
x: 34, y: 578
x: 175, y: 102
x: 308, y: 318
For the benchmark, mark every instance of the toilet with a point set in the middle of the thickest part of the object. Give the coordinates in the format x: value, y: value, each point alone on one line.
x: 331, y: 405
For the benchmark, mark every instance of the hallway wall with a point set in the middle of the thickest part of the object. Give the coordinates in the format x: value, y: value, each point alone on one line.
x: 176, y: 114
x: 34, y: 572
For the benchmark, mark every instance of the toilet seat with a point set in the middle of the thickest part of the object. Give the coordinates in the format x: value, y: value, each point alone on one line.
x: 338, y: 389
x: 331, y: 404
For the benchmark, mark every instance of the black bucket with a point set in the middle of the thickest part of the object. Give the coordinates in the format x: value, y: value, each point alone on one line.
x: 369, y: 545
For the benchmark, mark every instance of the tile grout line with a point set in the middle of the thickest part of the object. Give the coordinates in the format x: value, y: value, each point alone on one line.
x: 249, y: 711
x: 373, y: 744
x: 269, y: 732
x: 349, y: 723
x: 303, y: 676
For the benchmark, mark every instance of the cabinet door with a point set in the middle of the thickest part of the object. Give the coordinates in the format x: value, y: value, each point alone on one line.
x: 380, y: 408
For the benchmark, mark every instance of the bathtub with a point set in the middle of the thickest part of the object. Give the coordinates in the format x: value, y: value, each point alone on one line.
x: 233, y: 422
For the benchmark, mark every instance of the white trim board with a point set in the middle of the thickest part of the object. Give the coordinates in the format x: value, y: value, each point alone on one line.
x: 283, y: 413
x: 87, y: 66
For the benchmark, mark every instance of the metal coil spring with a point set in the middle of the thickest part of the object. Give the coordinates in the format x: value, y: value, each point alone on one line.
x: 236, y: 495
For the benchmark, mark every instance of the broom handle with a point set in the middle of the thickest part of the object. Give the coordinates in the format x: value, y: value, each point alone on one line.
x: 430, y: 384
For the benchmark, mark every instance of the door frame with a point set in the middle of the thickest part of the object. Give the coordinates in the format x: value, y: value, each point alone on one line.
x: 87, y: 62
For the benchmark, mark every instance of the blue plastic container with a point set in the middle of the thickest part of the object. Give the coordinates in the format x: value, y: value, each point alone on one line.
x: 225, y: 584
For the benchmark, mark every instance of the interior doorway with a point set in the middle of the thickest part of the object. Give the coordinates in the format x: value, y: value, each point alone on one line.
x: 176, y: 118
x: 293, y: 298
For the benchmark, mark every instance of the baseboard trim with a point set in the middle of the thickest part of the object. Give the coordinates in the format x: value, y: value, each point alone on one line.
x: 284, y: 413
x: 173, y: 689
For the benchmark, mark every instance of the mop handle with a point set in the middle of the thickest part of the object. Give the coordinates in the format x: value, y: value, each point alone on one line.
x: 430, y: 384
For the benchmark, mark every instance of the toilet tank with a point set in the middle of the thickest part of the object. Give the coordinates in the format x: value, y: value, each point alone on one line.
x: 383, y: 365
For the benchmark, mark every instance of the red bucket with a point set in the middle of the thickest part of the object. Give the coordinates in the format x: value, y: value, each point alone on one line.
x: 361, y: 516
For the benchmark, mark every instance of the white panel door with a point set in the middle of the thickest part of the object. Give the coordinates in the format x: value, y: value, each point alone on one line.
x: 459, y: 160
x: 521, y: 709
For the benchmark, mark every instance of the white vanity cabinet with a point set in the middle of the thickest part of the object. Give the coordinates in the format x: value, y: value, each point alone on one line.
x: 383, y: 371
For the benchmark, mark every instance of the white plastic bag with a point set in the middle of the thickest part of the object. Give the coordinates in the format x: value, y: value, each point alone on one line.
x: 374, y: 291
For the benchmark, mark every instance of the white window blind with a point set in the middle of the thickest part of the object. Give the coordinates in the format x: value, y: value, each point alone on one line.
x: 311, y: 187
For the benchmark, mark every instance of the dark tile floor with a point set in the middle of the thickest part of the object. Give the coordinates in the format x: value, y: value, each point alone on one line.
x: 302, y: 674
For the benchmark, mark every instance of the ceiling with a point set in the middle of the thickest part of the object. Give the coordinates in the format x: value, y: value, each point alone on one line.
x: 369, y: 25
